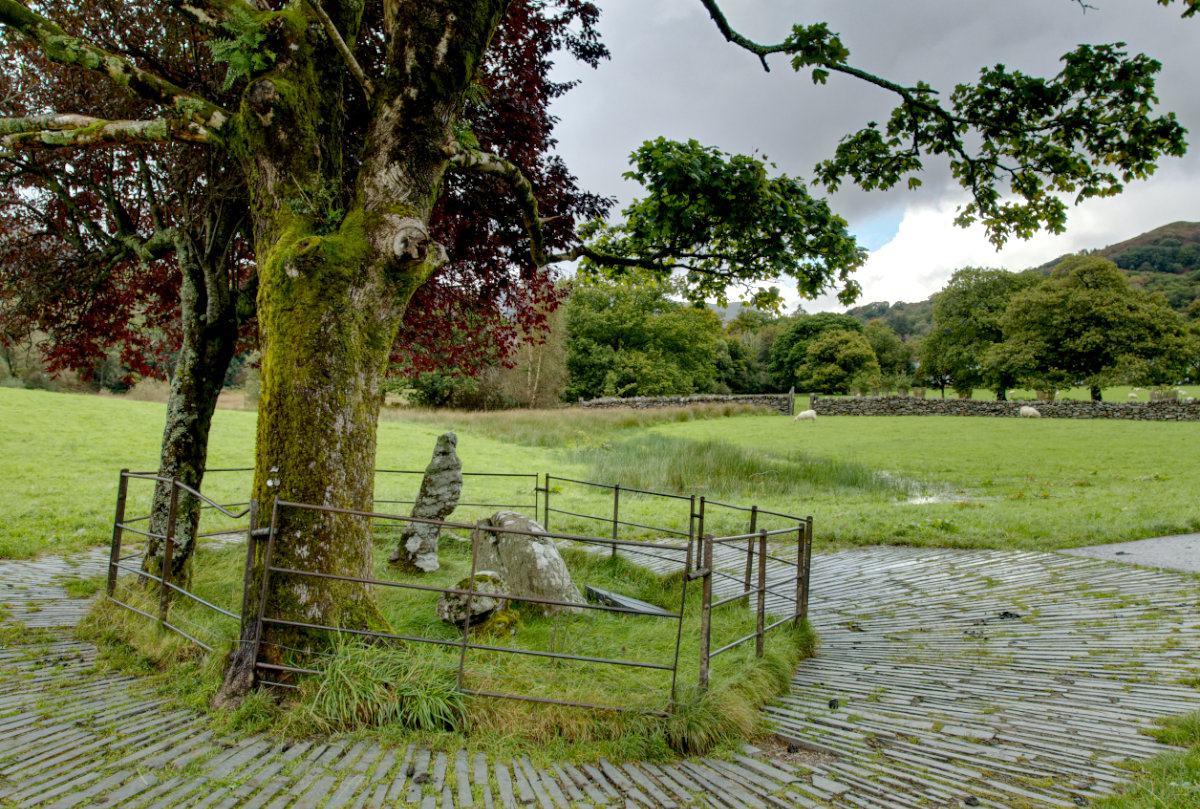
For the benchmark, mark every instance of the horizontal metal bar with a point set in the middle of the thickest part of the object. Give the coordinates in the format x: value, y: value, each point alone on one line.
x: 623, y: 488
x: 464, y: 474
x: 459, y: 505
x: 293, y: 669
x: 233, y: 469
x: 125, y: 527
x: 278, y: 685
x: 584, y: 516
x: 200, y: 600
x: 459, y: 644
x: 729, y: 646
x: 781, y: 622
x: 135, y: 519
x: 367, y: 632
x: 761, y: 512
x: 755, y: 535
x: 195, y: 493
x: 196, y: 641
x: 456, y: 591
x: 155, y: 618
x: 468, y: 526
x: 546, y: 701
x: 734, y: 598
x: 137, y: 571
x: 651, y: 527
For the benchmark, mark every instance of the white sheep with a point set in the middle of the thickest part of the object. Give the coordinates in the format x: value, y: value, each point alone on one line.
x: 1132, y: 395
x: 1028, y: 412
x: 805, y: 415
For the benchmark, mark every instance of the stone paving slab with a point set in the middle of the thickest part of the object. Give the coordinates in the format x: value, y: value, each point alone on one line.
x: 945, y: 679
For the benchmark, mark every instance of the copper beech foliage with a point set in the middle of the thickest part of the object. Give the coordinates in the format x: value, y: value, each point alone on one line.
x: 87, y: 255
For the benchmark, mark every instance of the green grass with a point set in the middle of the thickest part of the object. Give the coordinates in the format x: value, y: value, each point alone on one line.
x: 405, y: 692
x: 1170, y: 780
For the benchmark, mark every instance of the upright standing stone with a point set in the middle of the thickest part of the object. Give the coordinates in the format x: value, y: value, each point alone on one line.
x: 417, y: 548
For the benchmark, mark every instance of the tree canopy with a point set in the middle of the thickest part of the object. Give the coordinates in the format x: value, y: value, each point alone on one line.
x: 1085, y: 325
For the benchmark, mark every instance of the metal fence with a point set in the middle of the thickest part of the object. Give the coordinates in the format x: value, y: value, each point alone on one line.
x: 765, y: 568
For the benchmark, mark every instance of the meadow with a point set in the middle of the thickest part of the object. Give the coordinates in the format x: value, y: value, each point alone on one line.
x: 936, y: 481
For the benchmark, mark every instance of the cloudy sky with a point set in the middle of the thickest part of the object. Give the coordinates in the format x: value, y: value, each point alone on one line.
x: 672, y: 74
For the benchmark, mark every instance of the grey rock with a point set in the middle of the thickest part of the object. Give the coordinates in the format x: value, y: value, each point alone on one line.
x: 452, y: 607
x: 417, y: 547
x: 531, y: 565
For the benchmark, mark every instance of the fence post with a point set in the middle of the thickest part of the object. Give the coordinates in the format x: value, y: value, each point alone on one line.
x: 262, y: 596
x: 750, y: 546
x: 251, y: 555
x: 762, y: 593
x: 462, y: 656
x: 792, y: 401
x: 687, y: 571
x: 706, y: 552
x: 700, y: 535
x: 616, y: 516
x: 118, y: 531
x: 806, y: 571
x: 164, y: 596
x: 546, y: 504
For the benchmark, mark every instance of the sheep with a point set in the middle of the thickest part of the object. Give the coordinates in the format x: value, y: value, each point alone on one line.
x: 805, y: 415
x: 1028, y: 412
x: 1132, y: 395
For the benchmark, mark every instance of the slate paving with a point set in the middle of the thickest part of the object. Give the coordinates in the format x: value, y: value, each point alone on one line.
x: 945, y: 678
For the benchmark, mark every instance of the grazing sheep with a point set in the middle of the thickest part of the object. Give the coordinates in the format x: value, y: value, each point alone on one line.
x: 805, y: 415
x: 1028, y: 412
x: 1132, y: 395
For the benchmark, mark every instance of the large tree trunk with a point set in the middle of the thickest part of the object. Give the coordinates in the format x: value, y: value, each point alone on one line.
x: 333, y: 289
x: 209, y: 320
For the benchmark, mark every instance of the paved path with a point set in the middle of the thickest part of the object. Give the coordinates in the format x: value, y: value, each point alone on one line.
x: 945, y: 679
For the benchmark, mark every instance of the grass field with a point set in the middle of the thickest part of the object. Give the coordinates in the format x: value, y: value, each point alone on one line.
x: 957, y: 482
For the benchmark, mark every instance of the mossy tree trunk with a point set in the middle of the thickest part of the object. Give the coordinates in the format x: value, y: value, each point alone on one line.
x: 209, y: 319
x: 340, y: 254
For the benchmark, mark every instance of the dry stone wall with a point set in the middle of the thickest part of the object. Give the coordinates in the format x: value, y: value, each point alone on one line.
x: 1061, y: 409
x: 775, y: 401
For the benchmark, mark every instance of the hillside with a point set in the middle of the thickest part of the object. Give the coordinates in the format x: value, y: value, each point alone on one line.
x: 1166, y: 260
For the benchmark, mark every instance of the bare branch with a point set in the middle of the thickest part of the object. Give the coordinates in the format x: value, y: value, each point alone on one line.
x: 70, y: 131
x: 355, y: 68
x: 60, y: 47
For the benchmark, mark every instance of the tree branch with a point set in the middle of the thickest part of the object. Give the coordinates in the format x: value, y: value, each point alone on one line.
x: 351, y: 63
x: 210, y: 14
x: 58, y: 46
x: 71, y: 131
x: 486, y: 163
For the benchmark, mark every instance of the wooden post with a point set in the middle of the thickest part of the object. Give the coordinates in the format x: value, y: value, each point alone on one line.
x: 761, y: 620
x: 803, y: 569
x: 616, y: 515
x: 164, y: 595
x: 114, y: 555
x: 706, y: 554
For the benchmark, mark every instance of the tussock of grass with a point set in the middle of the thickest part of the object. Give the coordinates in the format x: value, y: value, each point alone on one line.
x: 1168, y: 780
x: 712, y: 467
x: 565, y: 426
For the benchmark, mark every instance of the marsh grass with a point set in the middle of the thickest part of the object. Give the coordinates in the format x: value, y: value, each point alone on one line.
x: 716, y: 468
x: 563, y: 427
x: 405, y: 691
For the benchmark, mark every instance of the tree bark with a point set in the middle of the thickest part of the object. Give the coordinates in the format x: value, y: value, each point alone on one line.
x: 208, y: 315
x: 1095, y: 391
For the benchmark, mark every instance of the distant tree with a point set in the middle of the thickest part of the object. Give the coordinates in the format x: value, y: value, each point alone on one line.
x: 936, y: 366
x: 633, y: 339
x: 893, y: 354
x: 966, y: 315
x: 1085, y: 325
x: 790, y: 349
x: 838, y: 361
